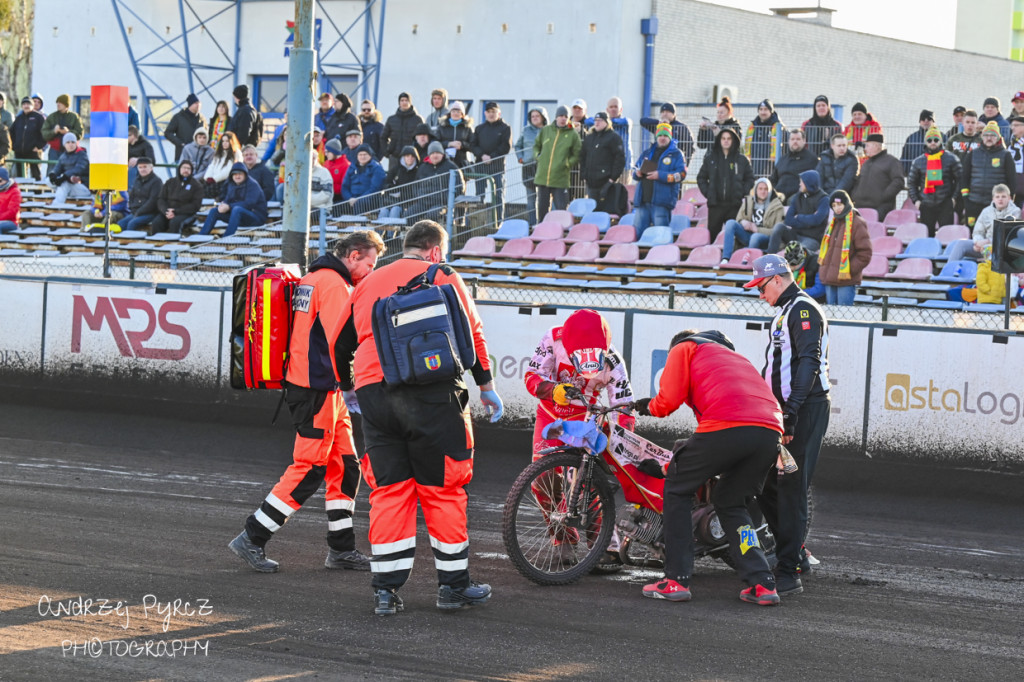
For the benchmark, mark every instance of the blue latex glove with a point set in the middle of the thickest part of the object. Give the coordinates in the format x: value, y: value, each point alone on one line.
x: 577, y: 434
x: 351, y: 402
x: 492, y: 401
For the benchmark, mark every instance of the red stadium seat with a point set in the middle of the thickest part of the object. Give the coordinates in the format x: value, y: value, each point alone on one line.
x: 868, y: 214
x: 661, y: 255
x: 521, y: 247
x: 878, y: 267
x: 912, y: 268
x: 693, y: 196
x: 704, y: 257
x: 900, y: 217
x: 886, y: 246
x: 546, y: 230
x: 908, y: 232
x: 581, y: 252
x: 950, y: 233
x: 743, y: 259
x: 563, y: 218
x: 692, y: 237
x: 621, y: 254
x: 477, y: 246
x: 876, y: 229
x: 549, y: 250
x: 583, y: 232
x: 619, y: 234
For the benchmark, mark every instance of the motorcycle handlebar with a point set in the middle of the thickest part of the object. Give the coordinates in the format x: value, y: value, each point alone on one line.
x: 598, y: 409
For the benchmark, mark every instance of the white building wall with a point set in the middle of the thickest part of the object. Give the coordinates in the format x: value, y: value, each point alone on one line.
x: 990, y: 36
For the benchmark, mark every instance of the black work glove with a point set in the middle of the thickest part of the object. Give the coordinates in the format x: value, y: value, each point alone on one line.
x: 641, y: 407
x: 651, y: 468
x: 788, y: 424
x: 544, y: 389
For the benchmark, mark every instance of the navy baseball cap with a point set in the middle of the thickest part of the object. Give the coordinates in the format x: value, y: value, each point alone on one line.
x: 767, y: 267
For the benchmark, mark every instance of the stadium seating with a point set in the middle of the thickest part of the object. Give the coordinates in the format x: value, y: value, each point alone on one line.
x: 684, y: 208
x: 599, y: 218
x: 886, y: 246
x: 949, y: 249
x: 693, y: 195
x: 563, y: 218
x: 912, y: 268
x: 545, y: 230
x: 678, y: 223
x: 869, y: 215
x: 550, y: 249
x: 878, y: 267
x: 957, y: 272
x: 582, y: 206
x: 693, y: 237
x: 627, y: 219
x: 876, y: 229
x: 618, y: 234
x: 583, y: 232
x: 908, y: 232
x: 900, y: 217
x: 513, y: 229
x: 581, y: 252
x: 657, y: 234
x: 922, y: 247
x: 621, y: 253
x: 520, y: 247
x: 950, y: 233
x: 663, y: 254
x: 704, y: 257
x: 742, y: 259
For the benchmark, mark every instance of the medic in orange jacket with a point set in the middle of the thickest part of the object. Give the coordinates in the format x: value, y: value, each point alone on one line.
x: 577, y: 354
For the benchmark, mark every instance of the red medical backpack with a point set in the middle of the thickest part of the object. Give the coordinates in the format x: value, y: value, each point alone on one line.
x: 261, y: 315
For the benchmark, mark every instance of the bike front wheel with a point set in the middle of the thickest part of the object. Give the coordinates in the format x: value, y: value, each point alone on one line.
x: 548, y: 542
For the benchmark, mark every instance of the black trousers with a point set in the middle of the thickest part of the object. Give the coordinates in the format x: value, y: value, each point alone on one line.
x: 717, y: 215
x: 784, y: 499
x: 740, y: 456
x: 972, y: 209
x: 934, y: 215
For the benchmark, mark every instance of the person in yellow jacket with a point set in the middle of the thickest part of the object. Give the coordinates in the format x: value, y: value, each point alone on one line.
x: 991, y: 285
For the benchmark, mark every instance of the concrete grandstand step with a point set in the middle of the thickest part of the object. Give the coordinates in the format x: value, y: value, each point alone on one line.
x: 5, y: 237
x: 35, y: 241
x: 70, y: 242
x: 234, y: 239
x: 164, y: 237
x: 136, y: 246
x: 198, y: 238
x: 267, y: 241
x: 31, y: 231
x: 15, y: 252
x: 64, y: 231
x: 167, y: 248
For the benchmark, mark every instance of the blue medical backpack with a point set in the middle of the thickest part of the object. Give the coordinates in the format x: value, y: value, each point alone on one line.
x: 422, y: 332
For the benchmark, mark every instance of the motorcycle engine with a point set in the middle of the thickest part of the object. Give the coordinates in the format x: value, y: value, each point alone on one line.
x: 707, y: 529
x: 643, y: 525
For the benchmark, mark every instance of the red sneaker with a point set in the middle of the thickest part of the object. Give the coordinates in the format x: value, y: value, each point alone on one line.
x: 667, y: 589
x: 759, y: 594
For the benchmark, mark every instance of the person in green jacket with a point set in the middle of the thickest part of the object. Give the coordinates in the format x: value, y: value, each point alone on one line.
x: 60, y: 123
x: 556, y: 149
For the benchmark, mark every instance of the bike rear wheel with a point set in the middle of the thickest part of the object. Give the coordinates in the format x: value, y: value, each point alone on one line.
x: 546, y: 543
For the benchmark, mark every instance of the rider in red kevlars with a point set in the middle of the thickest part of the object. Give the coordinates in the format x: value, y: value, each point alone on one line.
x: 578, y: 355
x: 739, y: 426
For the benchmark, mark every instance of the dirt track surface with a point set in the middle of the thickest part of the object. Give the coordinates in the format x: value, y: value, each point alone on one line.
x: 139, y: 510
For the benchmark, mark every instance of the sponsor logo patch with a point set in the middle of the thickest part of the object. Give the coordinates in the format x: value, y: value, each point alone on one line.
x: 748, y: 539
x: 805, y: 325
x: 804, y: 314
x: 300, y: 299
x: 433, y: 362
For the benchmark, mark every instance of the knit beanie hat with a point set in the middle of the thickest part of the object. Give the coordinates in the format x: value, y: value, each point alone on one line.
x: 561, y: 111
x: 859, y: 106
x: 993, y: 101
x: 5, y: 178
x: 191, y: 99
x: 603, y: 115
x: 334, y: 147
x: 933, y: 132
x: 768, y: 104
x: 668, y: 106
x: 991, y: 128
x: 841, y: 195
x: 64, y: 99
x: 69, y: 137
x: 663, y: 129
x: 435, y: 146
x: 822, y: 98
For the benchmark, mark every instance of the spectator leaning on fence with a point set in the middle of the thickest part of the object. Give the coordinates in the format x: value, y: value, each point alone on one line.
x: 881, y: 177
x: 557, y: 149
x: 838, y: 167
x: 27, y: 138
x: 70, y: 176
x: 933, y: 182
x: 821, y: 126
x: 764, y: 138
x: 785, y: 176
x: 179, y: 131
x: 10, y: 202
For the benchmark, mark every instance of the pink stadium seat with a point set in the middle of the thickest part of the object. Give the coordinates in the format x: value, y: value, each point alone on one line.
x: 684, y: 208
x: 547, y: 230
x: 908, y: 205
x: 912, y: 268
x: 950, y: 233
x: 584, y: 232
x: 692, y: 237
x: 661, y: 255
x: 908, y: 232
x: 878, y: 267
x: 701, y: 212
x: 619, y: 234
x: 876, y: 229
x: 870, y: 215
x: 521, y: 247
x: 900, y: 217
x: 693, y: 196
x: 563, y: 218
x: 743, y: 259
x: 477, y: 246
x: 704, y: 257
x: 549, y: 250
x: 719, y: 240
x: 621, y: 254
x: 886, y: 246
x: 581, y: 252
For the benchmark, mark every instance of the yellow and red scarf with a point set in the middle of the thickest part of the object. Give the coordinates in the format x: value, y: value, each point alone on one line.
x: 933, y: 172
x: 844, y: 257
x: 219, y: 124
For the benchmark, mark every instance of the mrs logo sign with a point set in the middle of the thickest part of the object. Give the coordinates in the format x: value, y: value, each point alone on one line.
x: 133, y: 322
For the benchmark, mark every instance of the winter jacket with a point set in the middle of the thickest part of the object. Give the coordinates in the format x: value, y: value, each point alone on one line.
x: 246, y: 194
x: 725, y: 180
x: 373, y: 134
x: 991, y: 285
x: 951, y: 170
x: 433, y: 188
x: 246, y: 124
x: 961, y: 144
x: 265, y: 178
x: 436, y: 116
x: 141, y: 148
x: 1004, y: 125
x: 706, y: 137
x: 983, y: 169
x: 838, y: 173
x: 180, y: 130
x: 363, y: 180
x: 10, y: 203
x: 26, y: 133
x: 819, y: 131
x: 337, y: 167
x: 808, y: 211
x: 463, y: 132
x: 857, y: 134
x: 671, y: 171
x: 68, y: 119
x: 7, y: 118
x: 73, y: 163
x: 913, y: 147
x: 184, y: 195
x: 762, y: 143
x: 984, y: 225
x: 321, y: 187
x: 118, y: 204
x: 143, y: 196
x: 220, y: 167
x: 881, y: 180
x: 398, y: 181
x: 524, y: 145
x: 601, y: 156
x: 860, y: 252
x: 493, y: 139
x: 399, y: 131
x: 200, y: 155
x: 785, y: 176
x: 322, y: 118
x: 557, y: 150
x: 5, y: 143
x: 680, y: 133
x: 773, y: 214
x: 339, y: 125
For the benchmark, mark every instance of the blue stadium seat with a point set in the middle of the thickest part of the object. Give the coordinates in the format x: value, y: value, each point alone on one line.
x: 582, y: 206
x: 513, y: 229
x: 957, y: 272
x: 624, y: 220
x: 658, y: 234
x: 941, y: 305
x: 985, y: 307
x: 599, y: 218
x: 922, y: 247
x: 678, y: 223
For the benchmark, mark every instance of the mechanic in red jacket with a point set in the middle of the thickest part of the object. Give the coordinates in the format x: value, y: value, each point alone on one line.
x: 739, y: 426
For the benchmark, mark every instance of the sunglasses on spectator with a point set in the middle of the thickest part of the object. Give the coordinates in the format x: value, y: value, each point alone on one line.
x: 366, y: 111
